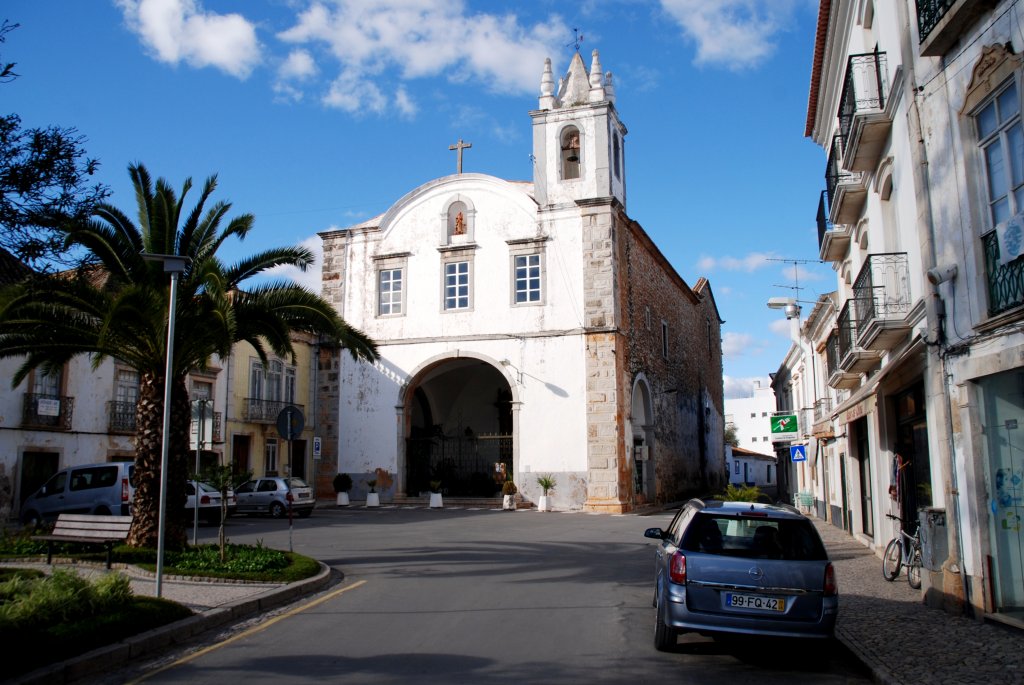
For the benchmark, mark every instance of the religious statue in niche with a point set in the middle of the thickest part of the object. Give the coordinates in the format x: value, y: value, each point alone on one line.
x: 460, y: 225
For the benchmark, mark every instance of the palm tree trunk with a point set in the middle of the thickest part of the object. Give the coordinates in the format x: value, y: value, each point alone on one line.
x: 149, y: 449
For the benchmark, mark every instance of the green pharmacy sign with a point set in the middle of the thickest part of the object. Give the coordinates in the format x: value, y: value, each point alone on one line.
x: 784, y: 427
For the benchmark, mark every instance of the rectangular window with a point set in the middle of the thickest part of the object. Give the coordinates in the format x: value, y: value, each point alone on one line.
x: 256, y: 379
x: 390, y: 289
x: 289, y: 385
x: 275, y: 375
x: 270, y: 455
x: 664, y: 339
x: 1002, y: 143
x: 527, y: 278
x: 456, y: 285
x: 127, y: 390
x: 736, y: 466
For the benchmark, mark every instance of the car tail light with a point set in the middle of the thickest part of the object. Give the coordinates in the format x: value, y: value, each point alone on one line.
x: 124, y: 489
x: 830, y: 589
x: 677, y: 569
x: 205, y: 499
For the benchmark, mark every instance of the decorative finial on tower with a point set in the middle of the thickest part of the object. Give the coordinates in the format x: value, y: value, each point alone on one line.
x: 577, y: 40
x: 597, y: 93
x: 547, y: 87
x: 609, y: 88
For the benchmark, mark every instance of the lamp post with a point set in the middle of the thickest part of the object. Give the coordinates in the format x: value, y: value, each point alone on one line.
x: 174, y: 265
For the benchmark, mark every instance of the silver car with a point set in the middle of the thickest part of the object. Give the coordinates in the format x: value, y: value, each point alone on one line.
x: 273, y: 494
x: 741, y: 567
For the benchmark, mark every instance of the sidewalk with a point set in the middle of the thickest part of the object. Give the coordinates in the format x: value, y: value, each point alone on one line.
x: 888, y: 627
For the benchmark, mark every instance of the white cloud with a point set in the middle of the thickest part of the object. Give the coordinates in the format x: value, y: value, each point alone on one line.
x: 737, y: 388
x: 748, y: 263
x: 740, y: 344
x: 736, y: 34
x: 378, y: 44
x: 310, y: 279
x: 780, y: 327
x: 181, y: 31
x: 298, y: 65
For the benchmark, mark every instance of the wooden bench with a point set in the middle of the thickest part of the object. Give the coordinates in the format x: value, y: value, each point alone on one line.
x: 87, y: 529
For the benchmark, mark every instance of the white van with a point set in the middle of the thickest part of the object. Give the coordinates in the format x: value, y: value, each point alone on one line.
x: 104, y: 488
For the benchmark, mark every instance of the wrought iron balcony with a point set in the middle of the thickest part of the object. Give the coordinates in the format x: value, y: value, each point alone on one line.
x: 833, y: 240
x: 941, y: 22
x: 853, y: 358
x: 822, y: 409
x: 864, y: 121
x: 52, y: 412
x: 845, y: 191
x: 882, y: 300
x: 121, y: 417
x: 264, y: 411
x: 1005, y: 281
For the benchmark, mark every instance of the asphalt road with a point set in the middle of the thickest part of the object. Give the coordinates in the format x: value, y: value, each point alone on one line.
x: 475, y: 597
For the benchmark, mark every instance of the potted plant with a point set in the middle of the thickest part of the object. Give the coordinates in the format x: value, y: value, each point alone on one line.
x: 547, y: 483
x: 508, y: 492
x: 436, y: 501
x: 372, y: 498
x: 342, y: 484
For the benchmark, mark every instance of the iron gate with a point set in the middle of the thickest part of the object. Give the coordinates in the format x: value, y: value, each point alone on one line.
x: 467, y: 466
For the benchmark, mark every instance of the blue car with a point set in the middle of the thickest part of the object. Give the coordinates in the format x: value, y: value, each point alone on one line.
x: 742, y: 568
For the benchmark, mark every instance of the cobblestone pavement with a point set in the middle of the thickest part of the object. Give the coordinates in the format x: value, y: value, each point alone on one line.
x: 889, y: 628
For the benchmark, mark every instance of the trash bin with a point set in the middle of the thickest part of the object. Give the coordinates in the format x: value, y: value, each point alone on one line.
x: 934, y: 544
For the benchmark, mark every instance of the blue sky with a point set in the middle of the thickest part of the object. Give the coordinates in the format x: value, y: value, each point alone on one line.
x: 320, y: 114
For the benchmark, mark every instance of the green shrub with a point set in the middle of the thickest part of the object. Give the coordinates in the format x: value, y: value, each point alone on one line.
x: 743, y: 493
x: 63, y: 596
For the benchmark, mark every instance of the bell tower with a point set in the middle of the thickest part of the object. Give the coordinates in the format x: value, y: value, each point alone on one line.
x: 578, y: 141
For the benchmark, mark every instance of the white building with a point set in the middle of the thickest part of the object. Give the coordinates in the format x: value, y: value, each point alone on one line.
x: 750, y: 417
x: 917, y: 105
x: 529, y: 328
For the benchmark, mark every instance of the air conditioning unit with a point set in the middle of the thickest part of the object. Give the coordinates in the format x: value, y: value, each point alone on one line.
x: 640, y: 452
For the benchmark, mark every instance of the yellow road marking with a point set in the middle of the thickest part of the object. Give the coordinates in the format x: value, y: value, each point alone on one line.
x: 247, y: 633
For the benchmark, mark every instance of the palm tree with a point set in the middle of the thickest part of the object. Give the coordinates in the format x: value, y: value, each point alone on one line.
x: 117, y: 308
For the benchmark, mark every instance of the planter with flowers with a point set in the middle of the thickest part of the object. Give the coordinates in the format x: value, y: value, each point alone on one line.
x: 508, y: 492
x: 342, y: 484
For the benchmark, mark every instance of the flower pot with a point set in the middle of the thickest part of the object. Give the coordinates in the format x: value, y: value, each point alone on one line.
x: 436, y: 500
x: 543, y: 504
x: 508, y: 502
x: 373, y: 499
x: 342, y: 499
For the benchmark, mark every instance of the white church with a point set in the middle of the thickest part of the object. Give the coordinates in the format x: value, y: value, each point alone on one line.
x: 526, y: 328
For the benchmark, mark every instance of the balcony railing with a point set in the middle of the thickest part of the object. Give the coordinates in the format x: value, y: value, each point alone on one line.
x: 838, y: 377
x: 47, y: 411
x: 833, y: 240
x: 863, y: 89
x: 264, y: 411
x: 847, y: 331
x: 121, y: 417
x: 822, y: 409
x: 941, y: 22
x: 1005, y: 281
x: 844, y: 190
x: 882, y: 301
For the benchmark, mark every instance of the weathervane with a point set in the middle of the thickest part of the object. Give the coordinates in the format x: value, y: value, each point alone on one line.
x: 577, y: 40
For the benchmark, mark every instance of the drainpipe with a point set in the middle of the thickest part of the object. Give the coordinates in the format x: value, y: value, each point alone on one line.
x: 934, y: 306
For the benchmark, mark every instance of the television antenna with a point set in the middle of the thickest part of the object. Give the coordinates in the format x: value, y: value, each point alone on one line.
x: 796, y: 274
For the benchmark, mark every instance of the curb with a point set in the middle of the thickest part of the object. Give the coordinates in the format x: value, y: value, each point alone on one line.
x: 99, y: 660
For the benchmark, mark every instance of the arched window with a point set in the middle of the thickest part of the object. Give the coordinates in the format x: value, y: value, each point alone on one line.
x: 571, y: 150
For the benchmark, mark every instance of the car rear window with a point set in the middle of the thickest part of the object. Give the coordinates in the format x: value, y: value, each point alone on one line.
x: 754, y: 538
x: 297, y: 483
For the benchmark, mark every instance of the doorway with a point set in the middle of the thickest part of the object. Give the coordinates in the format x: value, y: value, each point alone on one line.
x: 36, y: 468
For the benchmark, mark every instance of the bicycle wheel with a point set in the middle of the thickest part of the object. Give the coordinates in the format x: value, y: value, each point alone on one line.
x: 914, y: 568
x: 892, y: 560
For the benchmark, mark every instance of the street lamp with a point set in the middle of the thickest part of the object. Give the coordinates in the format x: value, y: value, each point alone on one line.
x: 173, y: 265
x: 787, y: 304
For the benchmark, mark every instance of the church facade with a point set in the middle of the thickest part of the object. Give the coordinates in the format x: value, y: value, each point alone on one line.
x: 525, y: 329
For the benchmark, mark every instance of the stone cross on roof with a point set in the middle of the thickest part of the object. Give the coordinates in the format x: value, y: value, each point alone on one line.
x: 459, y: 147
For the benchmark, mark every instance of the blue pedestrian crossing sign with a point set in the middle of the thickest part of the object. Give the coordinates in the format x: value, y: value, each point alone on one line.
x: 798, y: 452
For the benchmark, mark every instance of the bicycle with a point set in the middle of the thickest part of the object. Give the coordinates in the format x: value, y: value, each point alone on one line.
x: 903, y: 550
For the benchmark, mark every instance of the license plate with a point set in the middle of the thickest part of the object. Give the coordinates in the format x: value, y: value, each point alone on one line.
x: 755, y: 602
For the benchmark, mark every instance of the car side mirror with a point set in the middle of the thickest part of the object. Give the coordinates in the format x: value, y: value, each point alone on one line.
x: 655, y: 533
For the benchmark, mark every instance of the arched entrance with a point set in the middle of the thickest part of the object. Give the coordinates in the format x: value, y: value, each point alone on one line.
x: 642, y: 435
x: 459, y: 427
